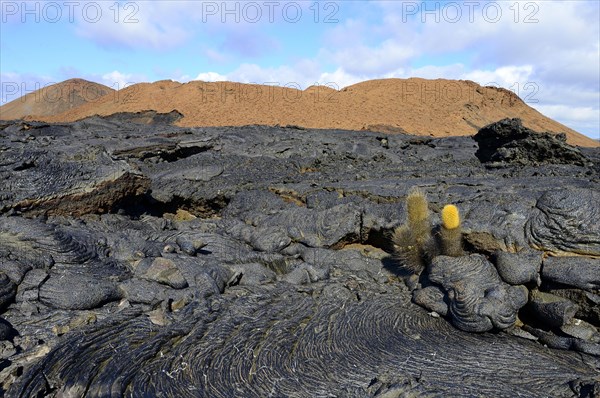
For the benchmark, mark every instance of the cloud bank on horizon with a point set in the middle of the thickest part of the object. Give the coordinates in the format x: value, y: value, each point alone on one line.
x: 546, y: 52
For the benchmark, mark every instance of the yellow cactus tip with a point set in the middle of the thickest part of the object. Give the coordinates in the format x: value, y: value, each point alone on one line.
x: 450, y: 217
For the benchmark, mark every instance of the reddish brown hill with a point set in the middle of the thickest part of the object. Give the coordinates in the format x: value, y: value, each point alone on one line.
x: 418, y: 106
x: 54, y: 99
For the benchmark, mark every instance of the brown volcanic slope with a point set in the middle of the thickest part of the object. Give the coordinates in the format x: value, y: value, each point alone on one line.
x: 54, y: 99
x: 417, y: 106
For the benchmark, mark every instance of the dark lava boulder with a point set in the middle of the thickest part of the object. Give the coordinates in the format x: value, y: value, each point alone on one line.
x: 65, y: 181
x: 565, y: 221
x: 509, y: 141
x: 519, y: 268
x: 478, y: 298
x: 71, y: 290
x: 581, y: 272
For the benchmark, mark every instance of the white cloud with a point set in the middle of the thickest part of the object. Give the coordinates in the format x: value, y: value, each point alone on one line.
x: 305, y: 74
x: 157, y: 25
x: 383, y: 58
x: 579, y: 114
x: 281, y: 76
x: 505, y: 76
x: 583, y: 119
x: 338, y: 79
x: 509, y: 77
x: 211, y: 77
x: 452, y: 71
x: 118, y: 80
x: 526, y: 32
x: 234, y: 28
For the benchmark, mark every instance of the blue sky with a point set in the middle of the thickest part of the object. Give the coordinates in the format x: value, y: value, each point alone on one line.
x: 548, y: 52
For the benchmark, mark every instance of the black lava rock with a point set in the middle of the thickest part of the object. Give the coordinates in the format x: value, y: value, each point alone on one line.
x: 254, y: 261
x: 509, y: 141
